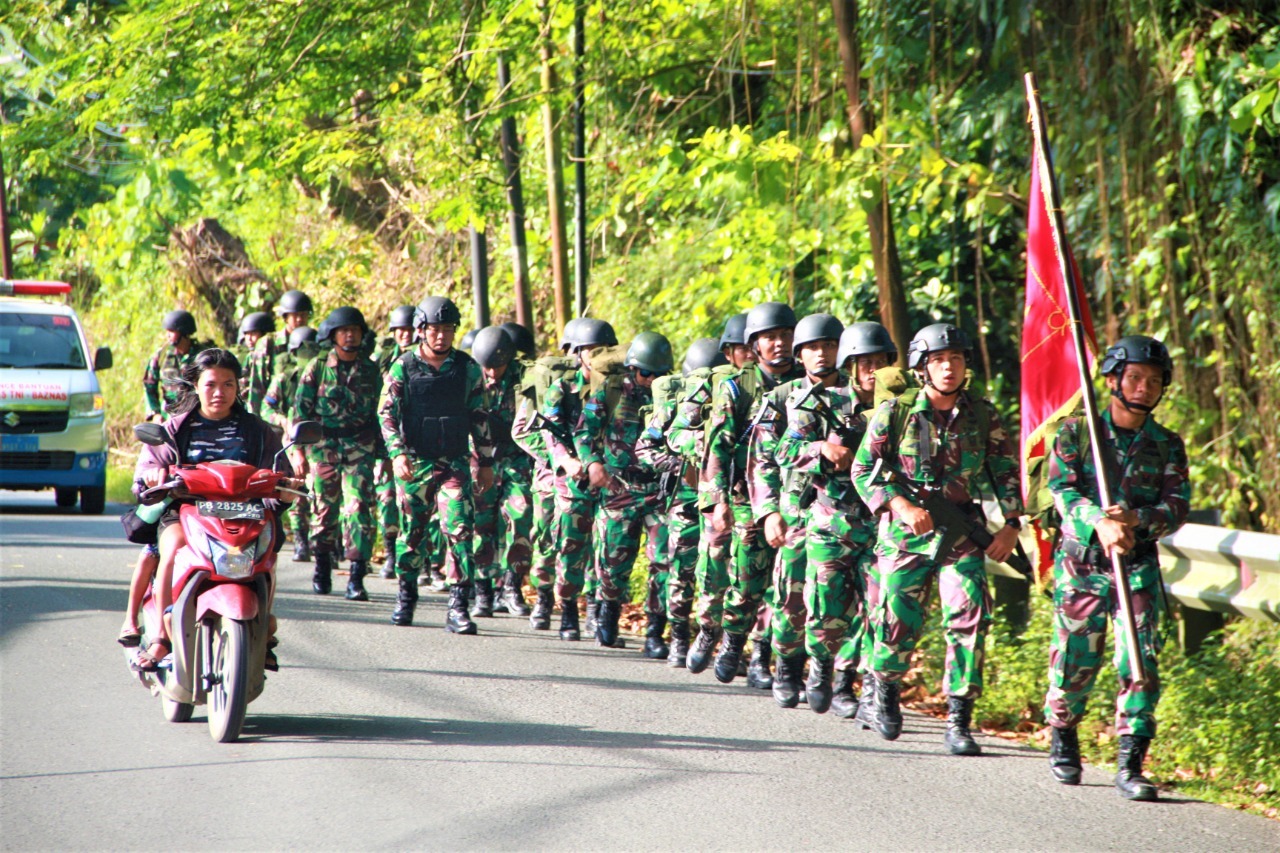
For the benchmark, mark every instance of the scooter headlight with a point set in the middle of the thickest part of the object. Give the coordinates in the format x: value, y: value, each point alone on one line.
x: 228, y: 562
x: 263, y: 543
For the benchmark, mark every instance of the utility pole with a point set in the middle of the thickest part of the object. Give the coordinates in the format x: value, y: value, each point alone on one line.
x: 515, y: 204
x: 580, y: 259
x: 555, y: 168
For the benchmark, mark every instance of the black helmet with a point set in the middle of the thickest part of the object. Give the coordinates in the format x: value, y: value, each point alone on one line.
x: 492, y: 347
x: 436, y: 310
x: 468, y: 339
x: 733, y: 329
x: 294, y: 302
x: 570, y: 329
x: 650, y: 351
x: 259, y: 322
x: 865, y: 339
x: 180, y: 321
x: 766, y: 316
x: 521, y: 338
x: 591, y: 332
x: 935, y: 338
x: 816, y: 327
x: 402, y: 318
x: 301, y: 335
x: 339, y: 317
x: 1138, y: 349
x: 704, y: 352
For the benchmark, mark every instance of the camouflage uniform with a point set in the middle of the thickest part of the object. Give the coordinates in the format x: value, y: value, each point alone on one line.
x: 159, y: 379
x: 261, y: 367
x: 342, y: 396
x: 439, y: 485
x: 575, y: 503
x: 1147, y: 474
x: 840, y: 543
x: 506, y: 547
x: 543, y: 496
x: 736, y: 403
x: 947, y: 450
x: 241, y: 352
x: 278, y: 410
x: 383, y: 481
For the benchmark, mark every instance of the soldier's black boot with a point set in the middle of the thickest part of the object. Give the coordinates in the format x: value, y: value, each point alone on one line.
x: 700, y: 652
x: 569, y: 619
x: 888, y: 713
x: 302, y: 549
x: 593, y: 613
x: 679, y: 644
x: 866, y: 716
x: 513, y: 596
x: 540, y: 618
x: 818, y: 685
x: 759, y: 675
x: 786, y: 681
x: 456, y: 621
x: 843, y: 703
x: 1064, y: 756
x: 958, y: 739
x: 1130, y: 782
x: 322, y: 577
x: 607, y: 614
x: 484, y: 599
x: 655, y: 648
x: 730, y: 657
x: 389, y: 564
x: 355, y: 583
x: 406, y: 600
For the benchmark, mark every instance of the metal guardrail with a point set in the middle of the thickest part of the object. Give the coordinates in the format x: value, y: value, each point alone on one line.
x: 1223, y: 571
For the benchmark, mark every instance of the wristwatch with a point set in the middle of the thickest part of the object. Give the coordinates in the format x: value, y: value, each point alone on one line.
x: 1015, y: 523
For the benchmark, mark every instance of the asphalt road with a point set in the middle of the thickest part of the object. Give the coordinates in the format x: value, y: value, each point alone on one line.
x: 378, y: 737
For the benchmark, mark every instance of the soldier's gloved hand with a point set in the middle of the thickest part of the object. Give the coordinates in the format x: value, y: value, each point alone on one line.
x: 839, y: 456
x: 1002, y: 545
x: 484, y: 479
x: 721, y: 517
x: 1113, y: 536
x: 775, y: 529
x: 914, y: 517
x: 400, y: 467
x: 597, y: 476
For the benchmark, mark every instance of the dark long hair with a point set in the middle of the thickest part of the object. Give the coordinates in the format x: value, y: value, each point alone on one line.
x: 205, y: 360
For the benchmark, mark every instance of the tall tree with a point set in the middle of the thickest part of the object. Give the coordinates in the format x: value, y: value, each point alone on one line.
x: 555, y: 166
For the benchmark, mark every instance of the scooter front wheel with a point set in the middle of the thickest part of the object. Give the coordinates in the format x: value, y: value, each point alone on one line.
x: 176, y: 712
x: 229, y: 668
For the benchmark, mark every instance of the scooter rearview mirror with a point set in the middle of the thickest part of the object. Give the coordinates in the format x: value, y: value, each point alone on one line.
x: 151, y: 434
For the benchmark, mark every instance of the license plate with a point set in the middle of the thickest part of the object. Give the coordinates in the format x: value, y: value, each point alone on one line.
x: 20, y: 443
x: 231, y: 509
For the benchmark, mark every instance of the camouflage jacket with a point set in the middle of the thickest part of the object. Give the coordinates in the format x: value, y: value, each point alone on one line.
x: 241, y: 352
x: 562, y: 406
x: 159, y: 379
x: 771, y: 487
x: 938, y: 449
x: 687, y: 434
x: 342, y: 396
x: 610, y: 437
x: 736, y: 401
x: 808, y: 426
x: 262, y: 366
x: 278, y: 403
x: 529, y: 437
x: 387, y: 352
x: 1144, y: 476
x: 502, y: 399
x: 657, y: 456
x: 390, y: 413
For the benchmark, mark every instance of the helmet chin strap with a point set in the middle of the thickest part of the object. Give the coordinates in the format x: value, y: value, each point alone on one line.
x: 824, y: 372
x: 928, y: 381
x: 1135, y: 407
x: 780, y: 363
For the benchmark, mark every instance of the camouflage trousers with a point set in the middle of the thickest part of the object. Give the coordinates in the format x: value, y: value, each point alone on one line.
x: 542, y: 533
x: 341, y: 483
x: 298, y: 520
x: 684, y: 528
x: 503, y: 520
x: 388, y: 505
x: 436, y: 495
x: 712, y: 573
x: 621, y: 516
x: 966, y: 613
x: 749, y: 573
x: 1082, y: 603
x: 790, y: 609
x: 575, y: 515
x: 841, y: 554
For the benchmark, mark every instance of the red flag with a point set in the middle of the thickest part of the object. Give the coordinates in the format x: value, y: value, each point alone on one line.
x: 1050, y: 377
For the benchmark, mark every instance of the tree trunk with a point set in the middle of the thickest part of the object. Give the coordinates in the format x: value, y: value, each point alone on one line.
x: 892, y: 298
x: 555, y: 168
x: 515, y: 203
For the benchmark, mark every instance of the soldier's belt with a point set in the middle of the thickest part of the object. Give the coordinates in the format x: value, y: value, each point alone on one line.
x: 349, y: 432
x: 1093, y: 555
x: 855, y: 507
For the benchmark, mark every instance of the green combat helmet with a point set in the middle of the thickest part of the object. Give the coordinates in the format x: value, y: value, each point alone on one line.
x: 294, y: 302
x: 865, y: 339
x: 436, y: 311
x: 401, y: 318
x: 651, y: 354
x: 591, y: 332
x: 734, y: 330
x: 936, y: 338
x: 492, y: 348
x: 816, y: 327
x: 1137, y: 349
x: 181, y: 322
x: 521, y: 337
x: 259, y: 322
x: 704, y: 353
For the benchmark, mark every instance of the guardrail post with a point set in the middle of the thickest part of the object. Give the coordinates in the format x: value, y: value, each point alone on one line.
x: 1194, y: 626
x: 1013, y: 600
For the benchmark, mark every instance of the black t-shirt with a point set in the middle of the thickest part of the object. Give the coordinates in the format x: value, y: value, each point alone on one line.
x: 209, y: 441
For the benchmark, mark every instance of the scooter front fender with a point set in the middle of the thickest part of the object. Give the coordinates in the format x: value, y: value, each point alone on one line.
x: 232, y: 600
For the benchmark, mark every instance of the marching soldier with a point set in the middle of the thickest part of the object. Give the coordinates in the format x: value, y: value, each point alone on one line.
x: 160, y: 379
x: 435, y: 425
x: 391, y: 348
x: 943, y: 438
x: 277, y: 410
x: 294, y: 309
x: 252, y: 328
x: 1150, y: 492
x: 340, y: 390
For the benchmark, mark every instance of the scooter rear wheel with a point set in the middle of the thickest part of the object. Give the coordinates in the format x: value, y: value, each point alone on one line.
x: 228, y: 695
x: 176, y: 712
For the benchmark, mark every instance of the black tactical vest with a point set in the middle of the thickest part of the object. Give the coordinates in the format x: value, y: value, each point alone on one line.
x: 437, y: 423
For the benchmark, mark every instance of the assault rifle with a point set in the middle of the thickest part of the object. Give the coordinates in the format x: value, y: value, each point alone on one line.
x: 846, y: 433
x: 560, y: 431
x: 952, y: 524
x: 765, y: 405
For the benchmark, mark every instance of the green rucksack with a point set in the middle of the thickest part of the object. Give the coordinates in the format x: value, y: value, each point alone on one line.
x: 538, y: 376
x: 608, y: 369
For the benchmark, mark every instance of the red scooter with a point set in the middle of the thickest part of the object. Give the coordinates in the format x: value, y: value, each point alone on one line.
x: 223, y: 586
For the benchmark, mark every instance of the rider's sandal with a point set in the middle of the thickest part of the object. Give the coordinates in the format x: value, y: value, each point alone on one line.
x: 144, y: 662
x: 272, y: 663
x: 130, y: 638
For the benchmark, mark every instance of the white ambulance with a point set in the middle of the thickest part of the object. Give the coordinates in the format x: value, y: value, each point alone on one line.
x: 52, y: 430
